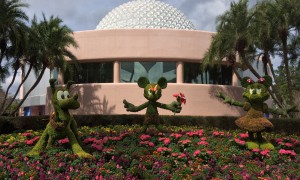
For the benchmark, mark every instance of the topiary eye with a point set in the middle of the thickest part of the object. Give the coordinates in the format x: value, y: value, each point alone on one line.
x: 149, y: 92
x: 258, y: 91
x: 66, y: 94
x: 251, y: 90
x: 60, y: 95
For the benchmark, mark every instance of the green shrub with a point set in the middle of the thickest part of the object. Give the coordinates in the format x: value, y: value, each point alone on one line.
x: 10, y: 124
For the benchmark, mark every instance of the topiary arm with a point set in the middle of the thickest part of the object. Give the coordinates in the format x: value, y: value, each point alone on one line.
x: 132, y: 108
x: 229, y: 100
x: 174, y: 106
x: 283, y: 111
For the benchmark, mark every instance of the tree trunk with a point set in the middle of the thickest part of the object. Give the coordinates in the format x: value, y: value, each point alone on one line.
x: 9, y: 86
x: 32, y: 88
x: 286, y: 67
x: 25, y: 78
x: 237, y: 74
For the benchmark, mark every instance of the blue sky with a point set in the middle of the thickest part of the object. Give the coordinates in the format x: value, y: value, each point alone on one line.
x: 82, y: 15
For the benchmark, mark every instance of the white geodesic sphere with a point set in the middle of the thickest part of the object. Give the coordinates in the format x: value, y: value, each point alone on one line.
x: 145, y: 14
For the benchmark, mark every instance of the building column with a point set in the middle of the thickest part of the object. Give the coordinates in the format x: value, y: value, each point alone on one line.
x: 116, y: 72
x: 60, y: 78
x: 21, y: 94
x: 179, y: 72
x: 235, y: 80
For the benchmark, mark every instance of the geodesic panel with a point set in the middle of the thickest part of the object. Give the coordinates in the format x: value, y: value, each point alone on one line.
x: 145, y: 14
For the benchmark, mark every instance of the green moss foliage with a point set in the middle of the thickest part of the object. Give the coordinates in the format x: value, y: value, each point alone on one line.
x: 152, y: 92
x: 62, y: 124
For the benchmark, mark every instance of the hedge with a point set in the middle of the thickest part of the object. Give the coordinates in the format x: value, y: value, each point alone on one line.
x: 11, y: 124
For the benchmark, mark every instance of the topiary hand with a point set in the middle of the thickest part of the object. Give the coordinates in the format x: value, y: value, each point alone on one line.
x: 175, y: 107
x: 129, y: 106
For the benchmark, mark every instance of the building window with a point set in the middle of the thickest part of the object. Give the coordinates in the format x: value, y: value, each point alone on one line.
x: 132, y: 71
x: 211, y: 75
x: 93, y: 73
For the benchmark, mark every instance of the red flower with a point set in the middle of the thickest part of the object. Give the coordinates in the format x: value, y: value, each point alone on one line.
x: 63, y: 141
x: 31, y: 141
x: 244, y: 136
x: 250, y: 81
x: 27, y: 134
x: 261, y: 80
x: 180, y: 97
x: 197, y: 152
x: 176, y: 135
x: 98, y: 147
x: 145, y: 137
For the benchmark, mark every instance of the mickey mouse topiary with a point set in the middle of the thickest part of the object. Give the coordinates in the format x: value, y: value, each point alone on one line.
x: 255, y: 94
x: 62, y: 124
x: 152, y: 92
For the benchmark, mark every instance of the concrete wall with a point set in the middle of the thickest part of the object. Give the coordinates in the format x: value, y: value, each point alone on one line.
x: 141, y: 44
x: 100, y: 98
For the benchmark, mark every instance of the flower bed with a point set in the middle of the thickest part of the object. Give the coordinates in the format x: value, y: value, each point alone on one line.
x: 123, y: 152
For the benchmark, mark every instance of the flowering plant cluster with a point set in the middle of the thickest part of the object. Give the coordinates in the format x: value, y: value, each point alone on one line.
x: 180, y: 97
x: 124, y: 152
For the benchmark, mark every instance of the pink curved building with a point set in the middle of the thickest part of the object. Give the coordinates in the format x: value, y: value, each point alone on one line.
x: 148, y: 38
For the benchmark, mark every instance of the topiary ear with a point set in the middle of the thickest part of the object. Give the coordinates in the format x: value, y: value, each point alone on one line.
x: 143, y: 82
x: 52, y: 85
x: 69, y: 84
x: 266, y: 81
x: 246, y: 81
x: 162, y: 82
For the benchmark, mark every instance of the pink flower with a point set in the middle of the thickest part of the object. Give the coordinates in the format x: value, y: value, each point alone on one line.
x: 255, y: 150
x: 175, y: 154
x: 145, y: 137
x: 167, y: 141
x: 151, y: 144
x: 144, y: 142
x: 240, y: 142
x: 32, y: 141
x: 27, y: 134
x: 283, y: 151
x: 162, y: 149
x: 195, y: 133
x: 186, y: 141
x: 63, y: 141
x: 261, y: 80
x: 288, y: 144
x: 277, y: 140
x: 115, y: 138
x: 98, y: 147
x: 197, y: 152
x: 89, y: 140
x: 250, y: 81
x: 244, y: 136
x: 105, y: 139
x: 180, y: 97
x: 209, y: 152
x: 204, y: 143
x: 177, y: 136
x: 287, y: 152
x: 98, y: 141
x: 265, y: 152
x: 182, y: 155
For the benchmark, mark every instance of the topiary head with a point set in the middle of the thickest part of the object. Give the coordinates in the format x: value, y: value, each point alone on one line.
x: 256, y: 91
x: 152, y: 91
x: 61, y: 96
